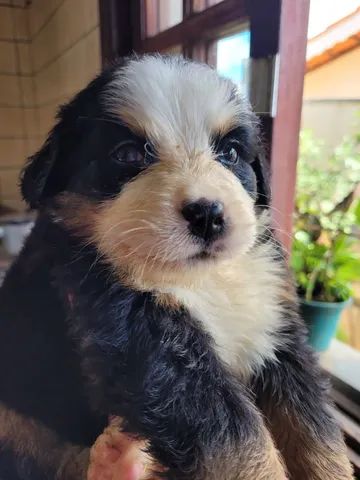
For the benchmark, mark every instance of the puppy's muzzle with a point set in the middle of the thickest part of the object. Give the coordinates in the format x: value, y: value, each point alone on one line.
x: 205, y: 219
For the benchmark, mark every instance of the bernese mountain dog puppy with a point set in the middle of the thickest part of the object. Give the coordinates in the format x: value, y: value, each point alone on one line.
x: 152, y: 290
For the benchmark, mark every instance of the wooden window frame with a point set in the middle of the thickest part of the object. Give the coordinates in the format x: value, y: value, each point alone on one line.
x: 123, y: 27
x: 196, y: 27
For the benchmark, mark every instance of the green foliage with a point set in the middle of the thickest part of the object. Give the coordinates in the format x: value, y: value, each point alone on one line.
x: 341, y: 335
x: 327, y: 219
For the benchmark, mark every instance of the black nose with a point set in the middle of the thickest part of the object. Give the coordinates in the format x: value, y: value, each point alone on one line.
x: 206, y: 219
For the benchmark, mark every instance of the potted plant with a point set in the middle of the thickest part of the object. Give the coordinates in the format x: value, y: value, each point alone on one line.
x: 324, y: 256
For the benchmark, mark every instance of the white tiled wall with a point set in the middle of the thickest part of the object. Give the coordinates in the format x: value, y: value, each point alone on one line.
x: 48, y: 51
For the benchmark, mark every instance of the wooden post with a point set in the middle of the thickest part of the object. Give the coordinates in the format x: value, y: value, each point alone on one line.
x: 278, y: 49
x: 286, y: 123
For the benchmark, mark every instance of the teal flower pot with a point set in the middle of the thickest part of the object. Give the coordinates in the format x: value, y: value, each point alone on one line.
x: 322, y: 319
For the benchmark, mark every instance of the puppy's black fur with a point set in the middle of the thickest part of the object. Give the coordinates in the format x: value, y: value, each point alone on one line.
x: 77, y: 345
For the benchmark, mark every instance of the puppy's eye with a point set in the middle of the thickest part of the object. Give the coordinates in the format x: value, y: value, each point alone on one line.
x: 127, y: 152
x: 229, y: 154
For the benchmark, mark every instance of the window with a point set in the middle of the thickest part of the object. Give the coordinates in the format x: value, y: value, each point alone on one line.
x: 212, y: 31
x: 199, y: 5
x: 162, y: 14
x: 232, y: 58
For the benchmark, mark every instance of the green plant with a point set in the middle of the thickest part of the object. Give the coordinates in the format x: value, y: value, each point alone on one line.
x: 327, y: 220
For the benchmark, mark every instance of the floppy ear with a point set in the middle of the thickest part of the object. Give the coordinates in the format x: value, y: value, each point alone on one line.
x: 36, y: 181
x: 262, y: 171
x: 48, y: 172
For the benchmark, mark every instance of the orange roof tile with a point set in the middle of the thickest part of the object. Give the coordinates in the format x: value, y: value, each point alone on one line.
x: 337, y: 39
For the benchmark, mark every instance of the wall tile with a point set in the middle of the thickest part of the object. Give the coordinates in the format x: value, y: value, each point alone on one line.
x: 7, y: 57
x: 79, y: 17
x: 93, y: 53
x: 9, y: 179
x: 11, y: 123
x: 48, y: 84
x: 45, y: 45
x: 15, y: 203
x: 12, y: 152
x: 31, y: 121
x: 39, y: 13
x: 47, y: 117
x: 17, y: 3
x: 20, y: 19
x: 33, y: 144
x: 66, y: 43
x: 9, y: 91
x: 13, y: 23
x: 6, y: 24
x: 27, y: 91
x: 24, y: 58
x: 80, y: 64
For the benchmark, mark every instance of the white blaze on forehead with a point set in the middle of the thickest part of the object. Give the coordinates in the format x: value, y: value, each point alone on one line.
x: 174, y: 102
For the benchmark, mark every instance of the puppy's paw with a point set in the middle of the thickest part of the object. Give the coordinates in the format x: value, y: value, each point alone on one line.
x: 117, y: 456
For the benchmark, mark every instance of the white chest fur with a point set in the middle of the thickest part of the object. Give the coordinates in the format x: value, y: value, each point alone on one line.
x: 239, y: 305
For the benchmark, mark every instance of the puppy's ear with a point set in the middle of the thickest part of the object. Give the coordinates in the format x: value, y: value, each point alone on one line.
x: 48, y: 172
x: 36, y: 178
x: 262, y: 171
